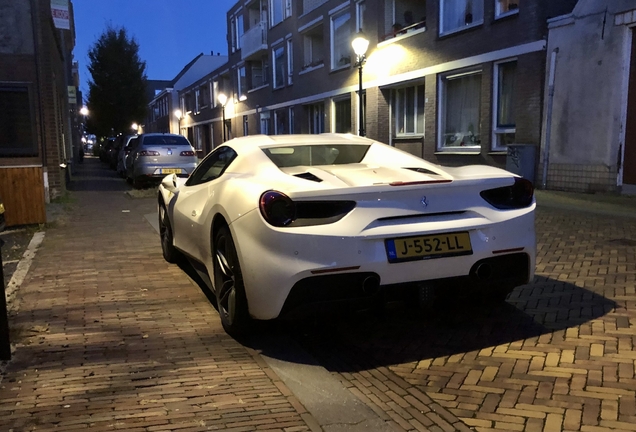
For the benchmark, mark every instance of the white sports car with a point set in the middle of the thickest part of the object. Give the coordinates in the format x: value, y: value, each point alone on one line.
x: 275, y: 224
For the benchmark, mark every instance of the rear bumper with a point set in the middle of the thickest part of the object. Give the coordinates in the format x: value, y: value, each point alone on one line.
x: 153, y: 171
x: 316, y: 294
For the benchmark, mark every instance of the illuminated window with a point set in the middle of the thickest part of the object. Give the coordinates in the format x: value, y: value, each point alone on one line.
x: 506, y: 7
x: 460, y: 110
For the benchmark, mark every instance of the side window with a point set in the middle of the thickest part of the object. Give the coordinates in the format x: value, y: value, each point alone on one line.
x: 212, y: 166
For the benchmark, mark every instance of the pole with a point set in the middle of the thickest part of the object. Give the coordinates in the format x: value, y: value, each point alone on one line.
x: 360, y: 108
x: 548, y: 126
x: 5, y: 344
x: 224, y: 136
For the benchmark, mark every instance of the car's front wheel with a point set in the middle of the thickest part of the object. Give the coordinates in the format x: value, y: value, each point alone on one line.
x: 170, y: 253
x: 228, y: 285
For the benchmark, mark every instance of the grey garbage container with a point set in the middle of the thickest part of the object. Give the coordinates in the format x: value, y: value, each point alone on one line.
x: 521, y: 160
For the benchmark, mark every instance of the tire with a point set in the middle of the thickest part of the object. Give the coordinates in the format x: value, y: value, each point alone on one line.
x: 136, y: 183
x: 228, y: 285
x: 170, y: 253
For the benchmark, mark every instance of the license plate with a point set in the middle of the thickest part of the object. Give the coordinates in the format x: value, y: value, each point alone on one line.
x: 170, y: 170
x: 428, y: 247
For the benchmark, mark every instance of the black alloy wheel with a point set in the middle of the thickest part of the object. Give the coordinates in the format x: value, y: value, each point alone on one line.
x: 228, y: 285
x: 170, y: 253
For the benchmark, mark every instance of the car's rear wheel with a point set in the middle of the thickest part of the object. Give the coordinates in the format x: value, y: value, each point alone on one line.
x: 228, y: 285
x: 170, y: 253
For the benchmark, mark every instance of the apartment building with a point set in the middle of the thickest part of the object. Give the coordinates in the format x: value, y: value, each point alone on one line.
x: 453, y: 81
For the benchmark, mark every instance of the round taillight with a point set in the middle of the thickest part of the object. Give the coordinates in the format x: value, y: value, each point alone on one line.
x: 277, y: 208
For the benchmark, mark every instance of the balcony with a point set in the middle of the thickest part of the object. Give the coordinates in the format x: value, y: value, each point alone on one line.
x: 254, y: 41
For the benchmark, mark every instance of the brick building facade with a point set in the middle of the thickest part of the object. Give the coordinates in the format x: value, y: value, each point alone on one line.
x: 36, y: 124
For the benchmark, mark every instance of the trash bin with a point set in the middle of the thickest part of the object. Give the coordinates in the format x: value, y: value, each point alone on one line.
x: 521, y: 160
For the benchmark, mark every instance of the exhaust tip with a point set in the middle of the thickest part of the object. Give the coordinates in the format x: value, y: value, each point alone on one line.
x: 371, y: 285
x: 484, y: 271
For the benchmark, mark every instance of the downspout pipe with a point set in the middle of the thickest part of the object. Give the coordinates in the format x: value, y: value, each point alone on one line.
x: 548, y: 124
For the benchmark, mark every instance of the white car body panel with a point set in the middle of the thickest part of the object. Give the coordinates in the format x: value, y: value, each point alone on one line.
x: 273, y: 259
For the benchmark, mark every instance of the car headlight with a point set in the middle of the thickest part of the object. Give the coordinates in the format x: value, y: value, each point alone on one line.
x: 517, y: 196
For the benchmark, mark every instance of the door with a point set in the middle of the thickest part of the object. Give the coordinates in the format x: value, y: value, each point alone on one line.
x: 629, y: 163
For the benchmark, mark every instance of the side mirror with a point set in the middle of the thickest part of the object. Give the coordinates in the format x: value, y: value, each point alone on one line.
x: 169, y: 182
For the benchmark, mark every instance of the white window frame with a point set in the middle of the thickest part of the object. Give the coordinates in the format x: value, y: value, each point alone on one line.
x: 500, y: 14
x: 240, y: 90
x: 441, y: 107
x: 476, y: 22
x: 332, y: 18
x: 276, y: 85
x: 361, y: 5
x: 290, y: 61
x: 286, y: 11
x: 240, y: 29
x: 394, y: 110
x: 496, y: 131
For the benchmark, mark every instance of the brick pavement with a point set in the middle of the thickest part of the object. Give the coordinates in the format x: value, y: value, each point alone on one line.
x: 110, y: 337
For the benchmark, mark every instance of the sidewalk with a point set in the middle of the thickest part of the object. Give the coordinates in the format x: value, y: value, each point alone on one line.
x: 109, y: 337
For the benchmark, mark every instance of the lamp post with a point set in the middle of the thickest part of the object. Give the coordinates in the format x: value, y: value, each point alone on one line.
x: 223, y: 100
x: 179, y: 115
x: 360, y: 45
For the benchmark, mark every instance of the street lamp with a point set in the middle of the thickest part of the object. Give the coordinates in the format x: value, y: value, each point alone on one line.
x: 179, y: 115
x: 223, y: 100
x: 135, y: 127
x: 360, y: 45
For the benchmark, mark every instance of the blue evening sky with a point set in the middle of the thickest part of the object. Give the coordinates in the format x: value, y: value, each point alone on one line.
x: 170, y: 33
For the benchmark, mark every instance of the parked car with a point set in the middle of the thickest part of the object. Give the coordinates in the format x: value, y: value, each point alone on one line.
x: 122, y: 157
x: 154, y: 155
x: 278, y: 223
x: 105, y: 149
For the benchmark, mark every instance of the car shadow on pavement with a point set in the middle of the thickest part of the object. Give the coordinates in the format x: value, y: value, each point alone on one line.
x: 399, y: 334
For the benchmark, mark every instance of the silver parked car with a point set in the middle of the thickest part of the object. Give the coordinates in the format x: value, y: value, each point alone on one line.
x: 155, y: 155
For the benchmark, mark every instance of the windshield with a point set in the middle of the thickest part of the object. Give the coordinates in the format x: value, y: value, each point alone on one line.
x: 320, y: 154
x: 174, y: 140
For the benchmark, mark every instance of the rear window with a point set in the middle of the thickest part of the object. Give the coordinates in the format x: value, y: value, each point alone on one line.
x: 177, y: 140
x: 309, y: 155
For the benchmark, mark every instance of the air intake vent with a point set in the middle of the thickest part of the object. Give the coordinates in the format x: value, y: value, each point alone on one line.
x: 308, y: 176
x: 423, y: 171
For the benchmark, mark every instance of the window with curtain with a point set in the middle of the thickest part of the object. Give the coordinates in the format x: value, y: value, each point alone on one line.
x: 461, y: 101
x: 278, y: 55
x: 505, y: 125
x: 342, y: 116
x: 408, y: 110
x: 340, y: 40
x: 458, y: 14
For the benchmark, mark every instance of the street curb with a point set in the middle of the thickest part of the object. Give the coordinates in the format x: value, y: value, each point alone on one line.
x: 23, y: 268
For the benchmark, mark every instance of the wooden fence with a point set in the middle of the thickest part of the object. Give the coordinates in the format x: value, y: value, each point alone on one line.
x: 22, y: 191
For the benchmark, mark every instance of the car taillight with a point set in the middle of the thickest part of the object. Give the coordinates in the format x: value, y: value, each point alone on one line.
x: 519, y: 195
x: 148, y: 153
x: 277, y: 208
x: 187, y: 153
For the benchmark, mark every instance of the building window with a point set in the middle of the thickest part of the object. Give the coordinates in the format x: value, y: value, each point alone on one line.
x: 291, y: 120
x: 316, y: 117
x: 408, y: 110
x: 290, y: 62
x: 313, y: 42
x: 215, y: 93
x: 404, y: 16
x: 281, y: 123
x: 460, y: 110
x: 16, y: 123
x: 340, y: 40
x: 505, y: 126
x: 506, y: 7
x: 458, y: 14
x: 245, y: 126
x: 279, y: 9
x: 258, y: 74
x: 278, y: 55
x: 342, y: 115
x: 239, y: 30
x: 198, y: 140
x: 233, y: 34
x: 242, y: 81
x: 265, y: 123
x: 361, y: 9
x: 204, y: 96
